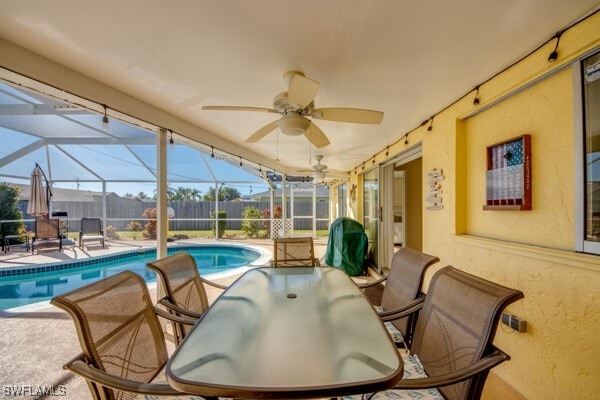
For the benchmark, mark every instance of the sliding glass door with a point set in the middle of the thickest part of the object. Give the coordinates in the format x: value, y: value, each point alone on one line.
x: 371, y: 214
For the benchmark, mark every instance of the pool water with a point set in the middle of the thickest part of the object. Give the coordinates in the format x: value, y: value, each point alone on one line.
x: 24, y: 289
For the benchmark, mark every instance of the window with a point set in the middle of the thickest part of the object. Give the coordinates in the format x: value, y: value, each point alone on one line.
x: 590, y: 84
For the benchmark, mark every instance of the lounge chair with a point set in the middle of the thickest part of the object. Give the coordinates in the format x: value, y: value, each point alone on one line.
x: 122, y: 342
x: 294, y: 252
x: 47, y: 234
x: 184, y: 288
x: 452, y: 351
x: 91, y: 230
x: 402, y: 290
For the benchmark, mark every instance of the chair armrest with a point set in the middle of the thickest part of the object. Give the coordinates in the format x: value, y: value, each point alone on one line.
x: 373, y: 283
x: 463, y: 374
x: 405, y: 311
x: 214, y: 284
x: 175, y: 318
x: 81, y: 368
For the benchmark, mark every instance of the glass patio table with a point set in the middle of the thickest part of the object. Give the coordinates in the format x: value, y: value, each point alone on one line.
x: 287, y: 332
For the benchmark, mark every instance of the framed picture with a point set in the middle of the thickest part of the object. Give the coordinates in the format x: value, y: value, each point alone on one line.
x: 508, y: 175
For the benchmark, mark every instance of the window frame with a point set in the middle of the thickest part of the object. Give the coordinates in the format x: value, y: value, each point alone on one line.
x: 581, y: 244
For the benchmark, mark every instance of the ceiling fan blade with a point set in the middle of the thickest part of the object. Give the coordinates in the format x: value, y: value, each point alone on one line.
x: 354, y: 115
x: 302, y: 90
x: 239, y: 108
x: 262, y: 132
x: 316, y: 136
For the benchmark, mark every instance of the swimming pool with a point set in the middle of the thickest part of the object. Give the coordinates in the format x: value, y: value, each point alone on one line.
x: 25, y: 286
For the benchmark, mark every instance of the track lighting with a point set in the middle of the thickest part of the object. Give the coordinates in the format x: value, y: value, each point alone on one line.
x: 171, y: 141
x: 406, y: 139
x: 105, y: 119
x: 241, y: 162
x: 476, y: 99
x: 212, y: 152
x: 387, y: 151
x: 373, y: 159
x: 554, y: 55
x: 430, y: 127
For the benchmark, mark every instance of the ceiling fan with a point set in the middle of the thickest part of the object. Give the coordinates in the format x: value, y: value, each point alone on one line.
x: 319, y: 171
x: 296, y: 107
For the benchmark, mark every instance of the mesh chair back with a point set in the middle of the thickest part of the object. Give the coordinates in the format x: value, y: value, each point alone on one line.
x: 47, y: 229
x: 291, y: 252
x: 457, y: 324
x: 404, y: 282
x: 118, y: 329
x: 181, y: 281
x: 91, y: 226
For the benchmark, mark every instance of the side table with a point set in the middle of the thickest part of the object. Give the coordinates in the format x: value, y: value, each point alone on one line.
x: 8, y: 237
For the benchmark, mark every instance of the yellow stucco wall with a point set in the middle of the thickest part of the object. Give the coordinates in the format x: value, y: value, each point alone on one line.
x: 559, y: 355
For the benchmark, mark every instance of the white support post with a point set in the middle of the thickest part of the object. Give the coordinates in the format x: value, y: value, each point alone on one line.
x: 217, y: 210
x: 314, y: 211
x: 271, y: 209
x: 104, y: 208
x: 283, y: 202
x: 161, y: 203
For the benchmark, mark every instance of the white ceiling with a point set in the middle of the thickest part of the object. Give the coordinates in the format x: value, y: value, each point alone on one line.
x: 409, y: 59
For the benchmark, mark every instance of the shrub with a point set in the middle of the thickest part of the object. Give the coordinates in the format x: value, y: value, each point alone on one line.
x: 250, y: 225
x: 149, y: 231
x: 222, y: 223
x: 111, y: 233
x: 9, y: 210
x: 134, y: 226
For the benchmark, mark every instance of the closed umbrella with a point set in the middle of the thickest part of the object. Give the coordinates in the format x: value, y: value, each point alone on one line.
x: 38, y: 198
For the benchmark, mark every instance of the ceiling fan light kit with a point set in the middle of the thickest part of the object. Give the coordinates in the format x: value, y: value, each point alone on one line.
x: 296, y: 107
x: 293, y: 125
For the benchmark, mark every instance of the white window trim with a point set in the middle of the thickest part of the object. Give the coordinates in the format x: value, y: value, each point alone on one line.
x: 581, y: 245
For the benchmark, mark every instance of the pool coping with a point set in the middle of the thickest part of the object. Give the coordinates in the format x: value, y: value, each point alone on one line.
x: 263, y: 260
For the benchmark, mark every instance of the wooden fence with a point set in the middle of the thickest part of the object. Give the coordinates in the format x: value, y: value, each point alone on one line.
x: 190, y: 215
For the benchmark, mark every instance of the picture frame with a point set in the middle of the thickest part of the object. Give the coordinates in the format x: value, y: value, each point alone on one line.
x: 508, y: 175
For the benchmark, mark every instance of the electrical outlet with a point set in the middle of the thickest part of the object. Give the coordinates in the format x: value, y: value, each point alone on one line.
x: 514, y: 322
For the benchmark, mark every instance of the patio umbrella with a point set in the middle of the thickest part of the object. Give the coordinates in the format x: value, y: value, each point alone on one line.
x: 38, y: 197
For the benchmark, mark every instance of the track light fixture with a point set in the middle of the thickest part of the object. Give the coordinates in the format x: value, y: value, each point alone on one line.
x: 387, y: 151
x: 554, y: 55
x: 476, y: 99
x: 430, y: 127
x: 241, y: 162
x: 373, y: 162
x: 406, y: 139
x: 212, y: 152
x: 105, y: 119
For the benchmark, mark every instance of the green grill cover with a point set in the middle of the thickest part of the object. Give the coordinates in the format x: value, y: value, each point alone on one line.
x: 347, y: 246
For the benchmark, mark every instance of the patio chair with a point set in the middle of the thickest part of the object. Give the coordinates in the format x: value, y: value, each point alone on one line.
x: 47, y: 234
x: 91, y: 230
x: 294, y: 252
x: 402, y: 290
x: 452, y: 351
x: 122, y: 343
x: 184, y: 288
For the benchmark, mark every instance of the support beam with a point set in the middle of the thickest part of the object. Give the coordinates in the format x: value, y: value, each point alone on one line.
x: 161, y: 197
